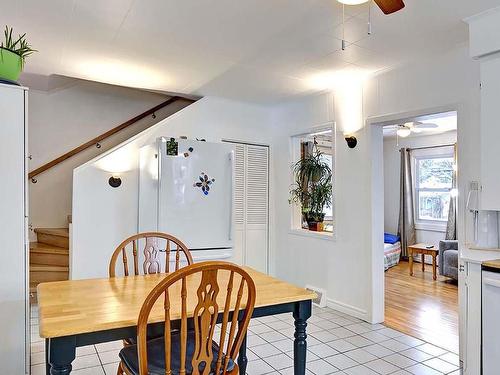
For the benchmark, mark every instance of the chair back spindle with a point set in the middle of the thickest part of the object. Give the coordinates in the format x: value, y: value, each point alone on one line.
x: 153, y: 244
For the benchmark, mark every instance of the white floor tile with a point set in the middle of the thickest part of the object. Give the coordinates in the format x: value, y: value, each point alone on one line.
x: 85, y: 350
x: 286, y: 345
x: 440, y: 365
x: 420, y: 369
x: 416, y: 355
x: 375, y: 336
x: 322, y: 350
x: 378, y: 350
x: 451, y: 358
x: 399, y: 360
x: 86, y: 361
x: 409, y: 340
x: 361, y: 356
x: 38, y: 347
x: 37, y: 358
x: 382, y: 367
x: 394, y: 345
x: 98, y: 370
x: 321, y: 367
x: 360, y: 370
x: 110, y: 368
x: 38, y: 369
x: 107, y: 346
x: 266, y: 350
x: 341, y: 361
x: 109, y: 357
x: 260, y: 328
x: 431, y: 349
x: 341, y: 345
x: 272, y: 336
x: 358, y: 341
x: 280, y: 361
x: 324, y: 336
x: 389, y: 332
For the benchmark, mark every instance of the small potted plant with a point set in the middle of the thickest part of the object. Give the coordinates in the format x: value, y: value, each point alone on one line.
x: 13, y: 54
x: 312, y: 189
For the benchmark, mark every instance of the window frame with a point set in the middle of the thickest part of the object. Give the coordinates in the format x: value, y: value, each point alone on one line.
x: 295, y: 213
x: 424, y: 154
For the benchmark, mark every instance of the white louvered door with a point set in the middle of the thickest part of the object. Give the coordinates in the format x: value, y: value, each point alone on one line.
x: 252, y: 206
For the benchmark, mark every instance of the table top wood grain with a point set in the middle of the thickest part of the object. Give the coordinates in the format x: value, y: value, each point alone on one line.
x: 83, y: 306
x: 422, y: 248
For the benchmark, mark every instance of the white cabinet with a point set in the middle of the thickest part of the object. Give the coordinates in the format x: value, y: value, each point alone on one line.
x: 470, y: 316
x: 14, y: 308
x: 252, y: 206
x: 490, y: 132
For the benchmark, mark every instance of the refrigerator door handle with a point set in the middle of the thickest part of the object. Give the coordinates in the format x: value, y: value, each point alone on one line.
x: 231, y: 160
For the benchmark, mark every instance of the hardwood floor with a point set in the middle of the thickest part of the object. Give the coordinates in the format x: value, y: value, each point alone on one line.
x: 421, y: 307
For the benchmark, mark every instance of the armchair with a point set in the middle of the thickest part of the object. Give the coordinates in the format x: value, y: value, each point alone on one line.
x: 448, y: 258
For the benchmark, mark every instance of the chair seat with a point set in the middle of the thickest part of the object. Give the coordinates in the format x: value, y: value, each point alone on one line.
x: 156, y: 356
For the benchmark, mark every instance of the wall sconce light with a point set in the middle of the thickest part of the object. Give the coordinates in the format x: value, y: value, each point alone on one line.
x: 115, y: 181
x: 351, y: 141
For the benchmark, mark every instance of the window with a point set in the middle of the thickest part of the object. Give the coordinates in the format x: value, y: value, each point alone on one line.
x: 433, y: 185
x: 319, y: 144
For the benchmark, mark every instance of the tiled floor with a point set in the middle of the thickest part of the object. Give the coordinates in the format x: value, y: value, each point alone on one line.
x: 337, y: 344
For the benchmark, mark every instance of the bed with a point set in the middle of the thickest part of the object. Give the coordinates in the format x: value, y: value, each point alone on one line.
x: 392, y: 253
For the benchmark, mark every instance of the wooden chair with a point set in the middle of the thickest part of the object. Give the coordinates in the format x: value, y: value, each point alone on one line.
x: 205, y: 291
x: 152, y: 243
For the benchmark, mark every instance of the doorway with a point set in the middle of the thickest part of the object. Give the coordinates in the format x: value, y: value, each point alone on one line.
x: 419, y: 211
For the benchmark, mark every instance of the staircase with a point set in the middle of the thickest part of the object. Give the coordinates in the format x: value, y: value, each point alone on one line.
x: 49, y: 256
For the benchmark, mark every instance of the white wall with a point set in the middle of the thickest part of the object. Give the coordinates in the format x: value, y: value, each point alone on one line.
x: 63, y: 118
x: 449, y: 81
x: 103, y: 216
x: 341, y: 266
x: 392, y: 183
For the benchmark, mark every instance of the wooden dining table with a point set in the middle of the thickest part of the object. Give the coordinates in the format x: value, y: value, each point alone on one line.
x: 76, y: 313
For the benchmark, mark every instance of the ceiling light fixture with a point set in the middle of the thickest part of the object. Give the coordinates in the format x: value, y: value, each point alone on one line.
x: 403, y: 132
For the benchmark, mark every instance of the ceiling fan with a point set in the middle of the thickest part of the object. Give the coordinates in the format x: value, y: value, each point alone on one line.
x: 387, y: 6
x: 404, y: 130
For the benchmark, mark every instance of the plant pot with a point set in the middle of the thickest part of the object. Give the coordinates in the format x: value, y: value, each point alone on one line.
x: 316, y: 226
x: 10, y: 65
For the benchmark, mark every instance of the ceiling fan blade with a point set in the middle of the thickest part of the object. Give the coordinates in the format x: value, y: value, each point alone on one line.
x: 390, y: 6
x: 425, y: 125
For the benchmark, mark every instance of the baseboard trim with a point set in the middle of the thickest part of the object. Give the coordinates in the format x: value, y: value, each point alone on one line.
x: 348, y: 309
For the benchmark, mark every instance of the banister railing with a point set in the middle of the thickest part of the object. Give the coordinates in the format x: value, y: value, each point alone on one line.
x: 95, y: 141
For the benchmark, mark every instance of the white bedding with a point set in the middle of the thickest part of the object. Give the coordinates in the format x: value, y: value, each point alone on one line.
x: 390, y: 247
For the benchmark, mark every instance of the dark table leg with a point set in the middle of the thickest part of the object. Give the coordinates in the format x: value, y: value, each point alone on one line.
x: 301, y: 313
x: 242, y: 357
x: 47, y: 364
x: 61, y: 353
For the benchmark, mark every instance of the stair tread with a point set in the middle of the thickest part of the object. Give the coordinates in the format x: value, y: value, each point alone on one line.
x: 39, y: 247
x: 46, y: 268
x: 62, y: 232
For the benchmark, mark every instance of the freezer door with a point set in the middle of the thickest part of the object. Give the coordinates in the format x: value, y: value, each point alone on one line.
x: 195, y: 195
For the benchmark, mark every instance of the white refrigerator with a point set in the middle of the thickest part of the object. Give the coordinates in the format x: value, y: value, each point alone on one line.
x: 186, y: 189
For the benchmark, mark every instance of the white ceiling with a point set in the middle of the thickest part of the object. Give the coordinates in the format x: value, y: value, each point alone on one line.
x: 256, y: 50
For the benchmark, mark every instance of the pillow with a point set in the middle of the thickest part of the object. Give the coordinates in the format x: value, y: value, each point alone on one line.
x: 391, y: 238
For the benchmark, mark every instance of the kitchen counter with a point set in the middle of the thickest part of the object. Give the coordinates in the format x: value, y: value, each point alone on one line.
x: 492, y: 264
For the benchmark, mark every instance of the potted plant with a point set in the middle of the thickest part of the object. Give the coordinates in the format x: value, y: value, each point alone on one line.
x: 312, y: 188
x: 13, y: 53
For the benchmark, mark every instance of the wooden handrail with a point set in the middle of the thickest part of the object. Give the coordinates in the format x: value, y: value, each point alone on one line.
x: 102, y: 137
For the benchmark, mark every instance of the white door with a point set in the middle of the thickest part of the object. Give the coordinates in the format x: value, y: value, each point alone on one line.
x: 252, y: 206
